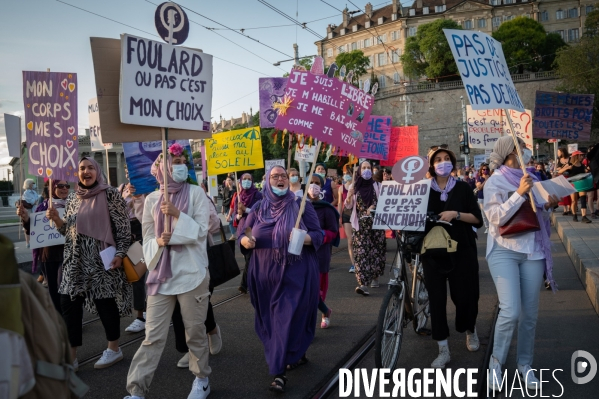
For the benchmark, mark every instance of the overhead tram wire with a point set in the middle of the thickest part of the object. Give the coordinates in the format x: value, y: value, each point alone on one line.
x: 240, y: 98
x: 153, y: 34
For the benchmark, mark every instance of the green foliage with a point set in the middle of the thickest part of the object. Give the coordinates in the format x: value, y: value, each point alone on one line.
x: 305, y: 62
x: 527, y: 46
x: 428, y: 53
x: 591, y: 25
x: 197, y: 154
x: 354, y: 61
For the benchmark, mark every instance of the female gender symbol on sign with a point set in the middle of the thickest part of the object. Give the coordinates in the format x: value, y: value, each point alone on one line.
x: 409, y: 170
x: 180, y: 24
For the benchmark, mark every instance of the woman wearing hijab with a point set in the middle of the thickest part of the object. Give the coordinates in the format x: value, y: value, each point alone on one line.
x: 327, y: 190
x: 455, y: 203
x: 28, y: 201
x: 246, y: 199
x: 283, y: 287
x: 181, y: 274
x: 49, y: 259
x: 516, y: 263
x: 95, y: 218
x: 369, y: 246
x: 328, y: 217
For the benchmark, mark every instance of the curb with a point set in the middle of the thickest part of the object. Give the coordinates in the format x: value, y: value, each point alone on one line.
x: 585, y: 261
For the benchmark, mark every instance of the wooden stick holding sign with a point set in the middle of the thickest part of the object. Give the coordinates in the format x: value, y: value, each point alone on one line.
x: 50, y: 186
x: 303, y: 204
x: 167, y: 225
x: 518, y: 150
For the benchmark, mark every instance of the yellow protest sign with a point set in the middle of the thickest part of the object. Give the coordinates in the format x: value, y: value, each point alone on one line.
x: 234, y: 151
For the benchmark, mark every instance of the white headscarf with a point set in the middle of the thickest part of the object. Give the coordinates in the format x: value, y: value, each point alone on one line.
x: 502, y: 148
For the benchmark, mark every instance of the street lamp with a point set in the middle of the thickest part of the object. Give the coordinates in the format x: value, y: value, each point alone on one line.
x: 296, y: 56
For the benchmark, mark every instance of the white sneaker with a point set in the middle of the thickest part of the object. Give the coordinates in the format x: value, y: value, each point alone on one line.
x: 472, y: 342
x: 442, y: 359
x: 486, y: 230
x: 374, y: 283
x: 76, y: 365
x: 528, y: 376
x: 109, y: 357
x: 362, y: 290
x: 200, y: 389
x: 215, y: 341
x: 136, y: 326
x: 495, y: 375
x: 183, y: 363
x: 352, y: 269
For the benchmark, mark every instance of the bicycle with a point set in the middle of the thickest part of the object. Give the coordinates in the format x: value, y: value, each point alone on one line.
x: 399, y: 305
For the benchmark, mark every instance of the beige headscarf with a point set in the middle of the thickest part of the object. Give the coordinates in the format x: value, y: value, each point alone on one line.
x: 502, y: 148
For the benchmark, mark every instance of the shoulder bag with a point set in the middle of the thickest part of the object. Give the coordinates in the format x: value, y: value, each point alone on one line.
x: 524, y: 221
x: 221, y: 262
x: 133, y: 264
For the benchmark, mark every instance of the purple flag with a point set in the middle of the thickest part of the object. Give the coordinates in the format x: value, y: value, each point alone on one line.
x: 50, y: 100
x: 271, y: 90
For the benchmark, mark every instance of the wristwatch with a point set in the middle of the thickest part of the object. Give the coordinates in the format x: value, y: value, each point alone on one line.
x: 458, y: 217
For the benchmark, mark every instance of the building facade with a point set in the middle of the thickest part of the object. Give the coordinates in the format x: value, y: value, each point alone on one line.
x: 382, y: 33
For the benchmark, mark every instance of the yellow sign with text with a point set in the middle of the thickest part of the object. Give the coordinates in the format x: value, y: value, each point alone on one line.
x: 234, y: 151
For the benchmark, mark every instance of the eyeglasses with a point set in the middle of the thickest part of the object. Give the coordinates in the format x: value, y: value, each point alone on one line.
x: 279, y: 177
x: 63, y: 186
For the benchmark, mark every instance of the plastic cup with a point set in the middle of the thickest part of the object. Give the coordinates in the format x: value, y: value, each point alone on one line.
x: 297, y: 241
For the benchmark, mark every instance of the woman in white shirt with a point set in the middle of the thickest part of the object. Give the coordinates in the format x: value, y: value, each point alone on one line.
x: 181, y: 274
x: 516, y: 262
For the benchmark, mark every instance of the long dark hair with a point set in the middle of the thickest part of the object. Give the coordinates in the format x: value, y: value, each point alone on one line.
x: 565, y: 153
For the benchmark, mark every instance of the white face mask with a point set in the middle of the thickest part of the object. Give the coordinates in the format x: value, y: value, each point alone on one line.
x: 179, y: 173
x: 526, y: 155
x: 314, y: 190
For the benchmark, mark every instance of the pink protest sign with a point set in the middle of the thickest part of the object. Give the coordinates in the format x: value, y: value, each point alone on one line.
x: 327, y: 109
x: 376, y: 138
x: 50, y: 100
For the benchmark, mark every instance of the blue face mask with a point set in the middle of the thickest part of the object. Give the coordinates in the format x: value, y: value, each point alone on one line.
x: 279, y: 191
x: 367, y: 174
x: 246, y: 184
x: 294, y: 179
x: 346, y: 178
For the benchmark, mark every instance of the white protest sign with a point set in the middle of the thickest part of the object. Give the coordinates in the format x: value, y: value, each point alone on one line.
x: 164, y: 85
x: 12, y: 127
x: 213, y: 186
x: 484, y: 71
x: 306, y: 153
x: 572, y: 148
x: 486, y: 126
x: 402, y: 206
x: 95, y: 133
x: 479, y: 160
x: 269, y: 164
x: 42, y: 233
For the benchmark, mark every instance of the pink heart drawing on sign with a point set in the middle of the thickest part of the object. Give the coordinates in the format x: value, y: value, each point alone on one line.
x: 69, y: 143
x: 71, y: 130
x: 40, y: 171
x: 64, y: 84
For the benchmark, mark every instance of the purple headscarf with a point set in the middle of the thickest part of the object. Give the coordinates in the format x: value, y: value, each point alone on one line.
x: 365, y: 187
x: 281, y: 211
x: 179, y: 197
x: 542, y: 237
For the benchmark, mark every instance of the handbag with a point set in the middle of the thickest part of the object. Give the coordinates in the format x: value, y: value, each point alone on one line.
x: 524, y: 221
x: 133, y: 263
x: 221, y: 262
x: 438, y: 242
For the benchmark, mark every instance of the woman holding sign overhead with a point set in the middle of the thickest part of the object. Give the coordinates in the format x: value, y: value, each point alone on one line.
x: 95, y: 219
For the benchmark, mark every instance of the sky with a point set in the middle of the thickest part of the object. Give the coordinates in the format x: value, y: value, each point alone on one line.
x: 40, y: 34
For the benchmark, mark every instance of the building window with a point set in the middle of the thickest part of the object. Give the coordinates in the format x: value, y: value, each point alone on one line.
x: 495, y: 2
x: 526, y: 15
x: 360, y: 84
x: 371, y: 59
x: 395, y: 56
x: 440, y: 8
x: 396, y: 78
x: 412, y: 12
x: 425, y: 10
x: 573, y: 13
x: 341, y: 50
x: 508, y: 1
x: 381, y: 20
x: 330, y: 52
x: 382, y: 82
x: 561, y: 33
x: 366, y: 43
x: 481, y: 23
x: 468, y: 24
x: 573, y: 35
x: 381, y: 59
x: 354, y: 46
x: 381, y: 39
x: 354, y: 28
x: 496, y: 22
x: 395, y: 35
x: 342, y: 31
x: 412, y: 31
x: 508, y: 17
x: 589, y: 9
x: 544, y: 16
x: 559, y: 14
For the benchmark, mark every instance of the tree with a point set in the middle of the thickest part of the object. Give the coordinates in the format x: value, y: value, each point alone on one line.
x: 305, y: 62
x: 354, y: 61
x: 527, y: 46
x: 591, y: 25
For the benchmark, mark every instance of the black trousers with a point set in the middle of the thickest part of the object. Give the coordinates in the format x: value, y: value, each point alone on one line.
x: 179, y: 327
x: 51, y: 270
x: 72, y: 313
x: 464, y: 292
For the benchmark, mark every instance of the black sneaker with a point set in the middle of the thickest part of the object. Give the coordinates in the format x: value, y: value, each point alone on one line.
x: 566, y: 213
x: 575, y: 218
x: 585, y: 219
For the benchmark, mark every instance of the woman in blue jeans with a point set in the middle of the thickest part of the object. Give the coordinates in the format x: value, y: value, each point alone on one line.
x: 517, y: 262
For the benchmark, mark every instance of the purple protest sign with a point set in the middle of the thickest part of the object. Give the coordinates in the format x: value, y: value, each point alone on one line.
x: 271, y: 90
x: 327, y: 109
x: 376, y: 138
x: 50, y: 100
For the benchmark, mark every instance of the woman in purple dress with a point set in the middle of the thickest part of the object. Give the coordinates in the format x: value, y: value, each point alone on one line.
x: 283, y: 287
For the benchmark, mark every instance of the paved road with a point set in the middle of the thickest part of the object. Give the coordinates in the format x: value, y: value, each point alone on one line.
x: 12, y: 232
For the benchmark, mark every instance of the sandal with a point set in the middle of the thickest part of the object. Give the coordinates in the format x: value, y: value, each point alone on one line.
x: 300, y: 362
x: 278, y: 384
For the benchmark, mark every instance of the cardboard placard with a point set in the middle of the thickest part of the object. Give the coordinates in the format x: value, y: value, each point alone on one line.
x: 270, y: 90
x: 95, y: 133
x: 563, y: 116
x: 483, y: 69
x: 402, y: 206
x: 376, y: 138
x: 327, y: 109
x: 106, y: 55
x: 269, y: 164
x: 479, y: 160
x: 305, y: 153
x: 403, y: 143
x: 12, y: 126
x: 42, y: 232
x: 51, y: 123
x: 486, y: 126
x: 234, y: 151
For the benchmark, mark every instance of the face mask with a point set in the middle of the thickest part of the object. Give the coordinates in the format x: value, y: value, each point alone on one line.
x: 246, y: 184
x: 367, y: 174
x: 314, y: 190
x: 470, y: 175
x: 179, y: 173
x: 485, y: 172
x: 32, y: 186
x: 323, y: 175
x: 279, y: 191
x: 346, y: 178
x: 294, y: 179
x: 443, y: 169
x: 526, y: 155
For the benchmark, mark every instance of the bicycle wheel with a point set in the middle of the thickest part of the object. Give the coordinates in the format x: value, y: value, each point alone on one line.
x: 389, y: 329
x: 421, y: 307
